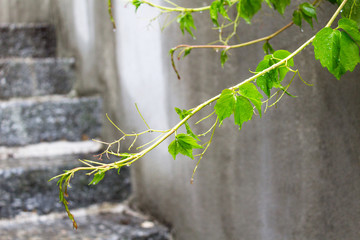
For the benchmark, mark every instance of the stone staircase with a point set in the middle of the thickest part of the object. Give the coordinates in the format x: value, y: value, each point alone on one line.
x: 43, y: 131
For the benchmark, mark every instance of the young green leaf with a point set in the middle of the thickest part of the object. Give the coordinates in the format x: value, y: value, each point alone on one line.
x: 190, y: 132
x: 274, y: 77
x: 173, y: 149
x: 248, y: 8
x: 308, y: 20
x: 97, y: 177
x: 187, y: 139
x: 214, y: 8
x: 336, y: 51
x: 224, y: 106
x: 335, y: 1
x: 186, y: 22
x: 243, y: 111
x: 282, y: 54
x: 250, y: 91
x: 222, y: 11
x: 282, y: 70
x: 280, y: 5
x: 223, y: 57
x: 183, y: 144
x: 182, y: 114
x: 267, y: 48
x: 269, y: 3
x: 308, y: 10
x: 266, y: 81
x: 187, y: 51
x: 352, y: 10
x: 297, y: 18
x: 137, y: 4
x: 218, y: 7
x: 350, y: 27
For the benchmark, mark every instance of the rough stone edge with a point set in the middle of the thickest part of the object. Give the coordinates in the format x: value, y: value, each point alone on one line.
x: 49, y: 149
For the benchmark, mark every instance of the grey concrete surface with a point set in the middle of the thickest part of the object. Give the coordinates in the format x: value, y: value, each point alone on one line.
x: 19, y: 11
x: 25, y: 186
x: 36, y: 77
x: 49, y: 119
x: 97, y: 222
x: 22, y: 40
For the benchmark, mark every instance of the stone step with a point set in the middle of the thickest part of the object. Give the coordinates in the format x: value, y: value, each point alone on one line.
x: 47, y: 119
x: 24, y: 185
x: 26, y: 77
x: 97, y: 222
x: 27, y: 40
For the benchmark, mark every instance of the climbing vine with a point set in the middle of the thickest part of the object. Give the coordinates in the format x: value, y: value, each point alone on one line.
x: 337, y: 49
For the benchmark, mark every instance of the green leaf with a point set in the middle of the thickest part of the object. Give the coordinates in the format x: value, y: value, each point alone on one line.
x: 250, y: 91
x: 223, y: 57
x: 214, y: 8
x: 243, y: 111
x: 269, y: 3
x: 190, y: 132
x: 184, y: 144
x: 336, y: 51
x: 224, y: 106
x: 182, y: 114
x: 282, y: 54
x: 297, y: 16
x: 186, y: 22
x: 267, y: 48
x: 352, y: 10
x: 218, y: 7
x: 308, y: 20
x: 335, y: 1
x: 266, y: 81
x: 280, y: 5
x: 223, y: 12
x: 137, y: 4
x: 97, y: 177
x: 187, y: 139
x: 248, y: 8
x: 283, y: 70
x: 350, y: 27
x: 187, y: 51
x: 308, y: 10
x: 173, y: 149
x: 274, y: 77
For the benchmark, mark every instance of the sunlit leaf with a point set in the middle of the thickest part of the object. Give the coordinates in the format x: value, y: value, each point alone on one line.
x: 98, y: 176
x: 250, y: 91
x: 225, y: 104
x: 243, y: 111
x: 336, y: 51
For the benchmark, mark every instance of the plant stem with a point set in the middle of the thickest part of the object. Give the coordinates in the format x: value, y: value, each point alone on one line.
x: 204, y: 104
x: 176, y: 9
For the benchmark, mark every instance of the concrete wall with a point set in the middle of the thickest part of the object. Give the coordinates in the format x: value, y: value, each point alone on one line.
x: 294, y: 174
x: 20, y: 11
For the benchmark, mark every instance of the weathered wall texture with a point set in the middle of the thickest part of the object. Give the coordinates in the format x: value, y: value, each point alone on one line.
x: 20, y: 11
x: 83, y: 32
x: 294, y: 174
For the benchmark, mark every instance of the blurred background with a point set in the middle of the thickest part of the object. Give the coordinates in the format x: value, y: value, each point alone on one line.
x: 292, y: 174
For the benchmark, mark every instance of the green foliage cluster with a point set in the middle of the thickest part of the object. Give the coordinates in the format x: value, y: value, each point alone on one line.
x: 337, y: 49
